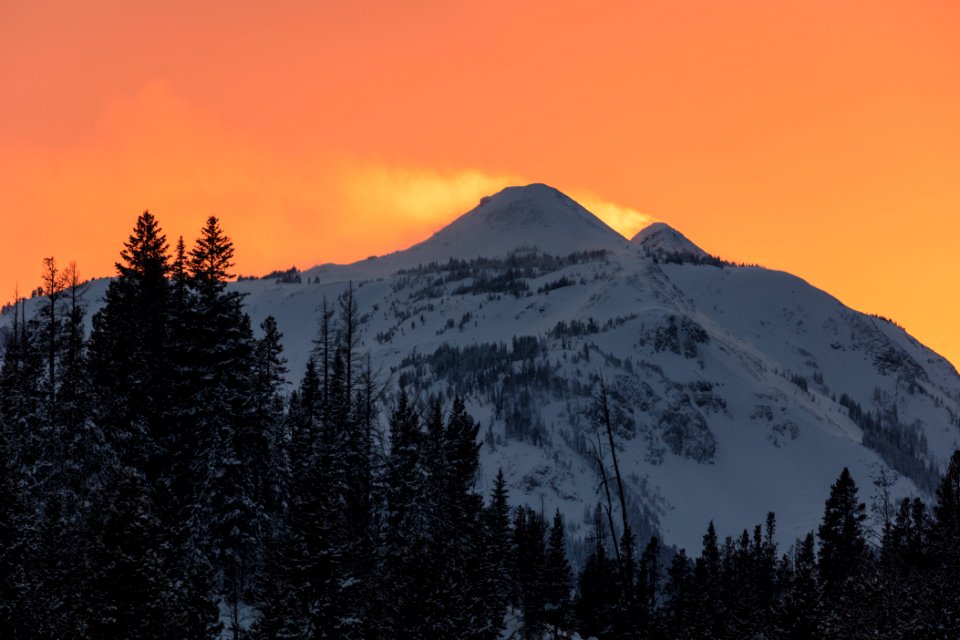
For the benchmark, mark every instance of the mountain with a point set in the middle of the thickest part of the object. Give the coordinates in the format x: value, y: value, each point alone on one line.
x: 733, y: 387
x: 734, y: 390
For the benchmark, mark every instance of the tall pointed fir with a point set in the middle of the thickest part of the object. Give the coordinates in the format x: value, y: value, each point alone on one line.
x: 321, y: 586
x: 596, y: 605
x: 407, y: 562
x: 129, y: 350
x: 648, y: 588
x: 231, y: 455
x: 557, y: 578
x: 20, y: 611
x: 499, y: 557
x: 842, y: 557
x: 800, y: 613
x: 269, y: 400
x: 132, y: 585
x: 529, y: 532
x: 680, y: 604
x: 945, y: 552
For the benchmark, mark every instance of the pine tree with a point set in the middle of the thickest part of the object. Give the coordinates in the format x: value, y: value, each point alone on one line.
x: 842, y: 542
x: 709, y: 616
x: 211, y: 261
x: 799, y: 616
x: 648, y: 587
x: 17, y: 600
x: 944, y: 595
x: 129, y: 350
x: 232, y: 450
x: 557, y: 578
x: 680, y: 604
x: 408, y: 564
x: 529, y: 530
x: 598, y: 594
x: 499, y: 556
x: 269, y: 399
x: 130, y: 588
x: 842, y: 557
x: 306, y: 414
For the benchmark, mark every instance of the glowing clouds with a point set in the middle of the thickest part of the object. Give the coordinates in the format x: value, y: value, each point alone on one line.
x: 624, y: 220
x: 401, y: 206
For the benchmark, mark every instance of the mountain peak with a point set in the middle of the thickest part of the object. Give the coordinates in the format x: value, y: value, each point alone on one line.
x: 531, y: 216
x: 660, y: 239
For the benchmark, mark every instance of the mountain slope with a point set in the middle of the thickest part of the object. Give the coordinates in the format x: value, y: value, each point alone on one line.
x: 732, y: 385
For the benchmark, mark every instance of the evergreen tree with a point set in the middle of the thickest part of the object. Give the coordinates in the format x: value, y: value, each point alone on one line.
x: 17, y: 586
x: 799, y: 616
x: 648, y: 589
x: 500, y: 554
x: 529, y: 529
x: 270, y: 435
x: 708, y: 619
x: 598, y: 593
x: 842, y: 557
x: 129, y: 350
x: 680, y: 603
x: 557, y: 577
x: 232, y: 450
x: 130, y: 589
x: 408, y: 563
x: 944, y: 594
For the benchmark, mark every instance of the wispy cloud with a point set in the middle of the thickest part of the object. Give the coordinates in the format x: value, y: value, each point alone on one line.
x: 625, y: 220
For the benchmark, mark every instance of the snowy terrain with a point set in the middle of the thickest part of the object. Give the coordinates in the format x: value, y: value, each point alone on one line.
x: 726, y: 381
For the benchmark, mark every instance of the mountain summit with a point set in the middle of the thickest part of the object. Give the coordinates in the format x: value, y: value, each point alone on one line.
x: 662, y: 239
x: 533, y: 216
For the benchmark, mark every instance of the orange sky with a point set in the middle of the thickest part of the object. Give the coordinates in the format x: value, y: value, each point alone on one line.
x: 819, y: 137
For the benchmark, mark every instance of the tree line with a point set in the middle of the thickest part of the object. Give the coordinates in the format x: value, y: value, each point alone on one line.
x: 159, y: 479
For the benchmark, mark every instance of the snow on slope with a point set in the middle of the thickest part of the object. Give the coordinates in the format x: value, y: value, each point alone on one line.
x: 725, y: 380
x: 519, y: 217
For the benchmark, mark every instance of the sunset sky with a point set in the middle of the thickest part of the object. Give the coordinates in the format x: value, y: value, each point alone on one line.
x: 817, y: 137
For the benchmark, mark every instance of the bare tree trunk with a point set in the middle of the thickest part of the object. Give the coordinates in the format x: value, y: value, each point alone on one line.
x: 598, y: 455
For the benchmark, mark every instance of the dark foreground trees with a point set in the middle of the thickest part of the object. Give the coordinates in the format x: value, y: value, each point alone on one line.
x: 158, y: 479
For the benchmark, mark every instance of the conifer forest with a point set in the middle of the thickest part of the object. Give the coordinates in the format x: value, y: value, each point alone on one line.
x: 160, y: 478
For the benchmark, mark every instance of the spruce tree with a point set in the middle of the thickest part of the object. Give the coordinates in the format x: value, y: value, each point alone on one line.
x: 129, y: 350
x: 130, y: 586
x: 944, y: 594
x: 842, y: 557
x: 529, y: 529
x: 799, y: 616
x: 499, y: 556
x: 648, y: 588
x: 708, y: 619
x: 598, y: 593
x: 680, y: 604
x: 229, y: 465
x: 557, y: 578
x: 269, y: 403
x: 407, y: 561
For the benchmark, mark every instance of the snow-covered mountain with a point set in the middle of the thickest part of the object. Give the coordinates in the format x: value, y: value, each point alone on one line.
x: 733, y: 386
x: 735, y: 390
